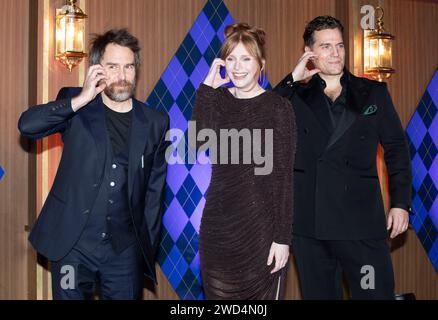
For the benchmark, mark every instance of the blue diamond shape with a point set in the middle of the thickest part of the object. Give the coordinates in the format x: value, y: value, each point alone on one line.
x: 416, y: 130
x: 167, y: 266
x: 416, y: 223
x: 175, y: 255
x: 189, y: 90
x: 220, y: 33
x: 200, y: 73
x: 189, y: 196
x: 2, y: 173
x: 186, y: 100
x: 218, y: 17
x: 174, y: 77
x: 166, y: 102
x: 202, y: 32
x: 427, y: 192
x: 188, y: 44
x: 159, y: 90
x: 209, y: 9
x: 420, y: 212
x: 427, y: 234
x: 427, y: 109
x: 184, y: 243
x: 182, y: 195
x: 195, y: 197
x: 188, y: 286
x: 433, y: 253
x: 161, y: 98
x: 188, y: 54
x: 175, y: 278
x: 189, y: 207
x: 168, y: 196
x: 412, y: 149
x: 418, y: 172
x: 425, y: 240
x: 166, y: 246
x: 216, y: 45
x: 222, y: 10
x: 216, y: 21
x: 430, y: 228
x: 427, y: 151
x: 216, y: 3
x: 213, y: 50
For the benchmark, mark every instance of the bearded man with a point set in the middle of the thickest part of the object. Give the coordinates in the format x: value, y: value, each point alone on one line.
x: 100, y: 223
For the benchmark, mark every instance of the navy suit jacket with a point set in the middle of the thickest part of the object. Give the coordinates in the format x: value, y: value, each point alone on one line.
x: 337, y: 191
x: 81, y: 170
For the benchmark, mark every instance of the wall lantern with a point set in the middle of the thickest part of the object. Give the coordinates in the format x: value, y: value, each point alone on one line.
x: 70, y: 34
x: 378, y: 51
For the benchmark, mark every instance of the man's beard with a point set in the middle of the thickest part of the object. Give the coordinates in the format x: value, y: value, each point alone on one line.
x: 120, y: 91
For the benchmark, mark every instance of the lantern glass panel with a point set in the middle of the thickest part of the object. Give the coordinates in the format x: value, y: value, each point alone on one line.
x: 60, y: 35
x: 374, y: 53
x: 385, y: 46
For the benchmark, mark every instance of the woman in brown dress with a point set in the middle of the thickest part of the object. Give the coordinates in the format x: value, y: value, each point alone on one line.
x: 246, y: 226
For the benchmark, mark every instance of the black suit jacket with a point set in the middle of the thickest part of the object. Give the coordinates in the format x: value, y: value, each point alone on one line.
x: 337, y: 191
x: 81, y: 169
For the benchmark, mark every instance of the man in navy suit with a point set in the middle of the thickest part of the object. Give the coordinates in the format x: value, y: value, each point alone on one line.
x: 339, y: 222
x: 101, y: 221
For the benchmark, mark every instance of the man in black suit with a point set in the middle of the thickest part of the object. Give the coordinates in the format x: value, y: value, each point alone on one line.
x: 101, y: 221
x: 339, y: 222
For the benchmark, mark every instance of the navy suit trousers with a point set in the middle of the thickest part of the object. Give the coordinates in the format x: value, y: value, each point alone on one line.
x: 83, y: 275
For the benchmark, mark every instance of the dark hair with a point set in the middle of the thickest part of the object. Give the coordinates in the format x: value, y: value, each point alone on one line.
x: 120, y: 37
x: 252, y: 38
x: 320, y: 23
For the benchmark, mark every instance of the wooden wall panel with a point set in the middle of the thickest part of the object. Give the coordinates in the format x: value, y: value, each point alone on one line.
x: 14, y: 187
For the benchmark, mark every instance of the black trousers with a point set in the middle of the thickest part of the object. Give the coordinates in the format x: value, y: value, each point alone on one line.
x: 366, y: 264
x: 80, y: 275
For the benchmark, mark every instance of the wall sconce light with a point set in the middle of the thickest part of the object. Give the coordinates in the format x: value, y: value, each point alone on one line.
x: 70, y: 34
x: 378, y: 51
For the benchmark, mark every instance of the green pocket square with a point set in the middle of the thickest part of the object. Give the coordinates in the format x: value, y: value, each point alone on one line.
x: 371, y: 109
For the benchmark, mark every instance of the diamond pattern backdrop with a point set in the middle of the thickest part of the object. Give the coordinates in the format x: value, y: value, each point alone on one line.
x: 422, y: 133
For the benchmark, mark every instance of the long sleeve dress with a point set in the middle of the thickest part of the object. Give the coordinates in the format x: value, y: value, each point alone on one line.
x: 245, y: 212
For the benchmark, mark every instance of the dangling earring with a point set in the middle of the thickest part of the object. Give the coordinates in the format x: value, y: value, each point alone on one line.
x: 262, y: 78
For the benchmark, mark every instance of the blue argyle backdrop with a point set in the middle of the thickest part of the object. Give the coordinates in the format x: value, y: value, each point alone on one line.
x: 187, y: 184
x: 422, y: 133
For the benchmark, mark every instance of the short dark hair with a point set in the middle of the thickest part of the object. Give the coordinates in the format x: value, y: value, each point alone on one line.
x: 318, y: 24
x: 120, y: 37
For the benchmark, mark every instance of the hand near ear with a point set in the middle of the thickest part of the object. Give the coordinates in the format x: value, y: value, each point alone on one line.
x: 214, y: 78
x: 301, y: 72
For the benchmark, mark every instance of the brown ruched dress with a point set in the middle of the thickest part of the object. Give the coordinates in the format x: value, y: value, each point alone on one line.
x: 244, y: 213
